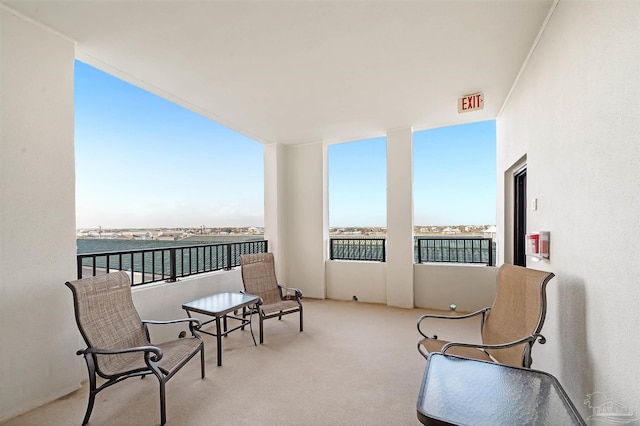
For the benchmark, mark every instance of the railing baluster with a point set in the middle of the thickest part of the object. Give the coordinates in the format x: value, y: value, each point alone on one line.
x: 79, y: 266
x: 162, y: 260
x: 153, y: 265
x: 132, y: 267
x: 490, y: 250
x: 227, y: 265
x: 142, y: 266
x: 181, y: 271
x: 173, y: 277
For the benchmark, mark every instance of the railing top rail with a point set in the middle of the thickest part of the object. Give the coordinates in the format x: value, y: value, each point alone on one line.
x: 358, y: 238
x: 152, y: 249
x: 444, y: 237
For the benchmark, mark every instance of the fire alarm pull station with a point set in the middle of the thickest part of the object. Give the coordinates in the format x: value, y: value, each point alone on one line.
x: 538, y: 245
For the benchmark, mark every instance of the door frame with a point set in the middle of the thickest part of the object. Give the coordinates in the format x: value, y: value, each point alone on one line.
x: 520, y: 216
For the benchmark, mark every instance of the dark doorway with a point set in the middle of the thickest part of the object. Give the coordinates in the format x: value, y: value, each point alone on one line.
x: 520, y: 218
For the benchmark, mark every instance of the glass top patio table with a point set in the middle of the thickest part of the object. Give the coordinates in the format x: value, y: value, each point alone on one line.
x: 462, y: 391
x: 219, y: 306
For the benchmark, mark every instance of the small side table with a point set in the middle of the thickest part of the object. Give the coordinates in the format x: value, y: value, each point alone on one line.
x: 462, y: 391
x: 219, y: 306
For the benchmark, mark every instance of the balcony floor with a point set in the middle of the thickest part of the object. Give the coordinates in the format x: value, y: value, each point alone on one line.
x: 355, y: 363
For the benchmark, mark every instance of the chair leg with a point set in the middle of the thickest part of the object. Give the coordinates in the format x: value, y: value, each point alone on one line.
x: 163, y: 404
x: 202, y: 360
x: 92, y: 387
x: 261, y: 329
x: 301, y: 319
x: 92, y: 399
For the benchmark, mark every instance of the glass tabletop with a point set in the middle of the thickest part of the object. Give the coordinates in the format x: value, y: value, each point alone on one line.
x: 465, y: 391
x: 221, y: 303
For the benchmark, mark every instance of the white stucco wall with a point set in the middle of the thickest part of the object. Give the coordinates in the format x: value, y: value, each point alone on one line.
x: 365, y: 280
x: 435, y: 286
x: 575, y: 113
x: 470, y: 287
x: 38, y: 335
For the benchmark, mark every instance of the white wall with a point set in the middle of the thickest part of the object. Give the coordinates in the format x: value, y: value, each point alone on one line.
x: 575, y: 114
x: 307, y: 228
x: 365, y: 280
x: 38, y: 335
x: 435, y: 286
x: 470, y: 287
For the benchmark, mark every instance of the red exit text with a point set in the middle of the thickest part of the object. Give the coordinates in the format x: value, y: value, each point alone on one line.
x: 472, y: 102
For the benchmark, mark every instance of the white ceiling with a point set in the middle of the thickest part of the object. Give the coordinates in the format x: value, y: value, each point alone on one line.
x: 307, y: 71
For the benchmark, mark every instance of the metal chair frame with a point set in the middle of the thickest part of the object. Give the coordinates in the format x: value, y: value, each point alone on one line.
x: 536, y: 282
x: 264, y: 287
x: 152, y: 354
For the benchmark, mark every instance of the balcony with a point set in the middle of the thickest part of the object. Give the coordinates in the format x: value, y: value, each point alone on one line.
x: 562, y: 98
x: 355, y: 363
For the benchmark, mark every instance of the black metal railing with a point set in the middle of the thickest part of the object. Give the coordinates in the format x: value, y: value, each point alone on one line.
x: 168, y: 263
x: 455, y: 250
x: 357, y: 249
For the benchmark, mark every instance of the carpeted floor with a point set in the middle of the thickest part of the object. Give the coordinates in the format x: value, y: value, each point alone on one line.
x: 354, y: 364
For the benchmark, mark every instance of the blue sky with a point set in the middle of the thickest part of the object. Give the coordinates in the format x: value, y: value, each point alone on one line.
x: 454, y: 179
x: 144, y: 162
x: 454, y: 175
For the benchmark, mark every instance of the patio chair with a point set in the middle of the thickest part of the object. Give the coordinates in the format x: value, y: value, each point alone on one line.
x: 259, y: 278
x: 118, y: 342
x: 509, y: 328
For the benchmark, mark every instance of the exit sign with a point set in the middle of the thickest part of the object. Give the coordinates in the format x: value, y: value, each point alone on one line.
x: 471, y: 102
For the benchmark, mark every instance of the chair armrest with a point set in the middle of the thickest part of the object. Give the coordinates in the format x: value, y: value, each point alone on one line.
x: 197, y: 322
x: 288, y: 292
x: 194, y: 324
x: 482, y: 312
x: 528, y: 339
x: 157, y: 352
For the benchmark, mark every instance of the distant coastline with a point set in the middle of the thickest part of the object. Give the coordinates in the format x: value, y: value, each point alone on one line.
x: 167, y: 234
x: 205, y: 234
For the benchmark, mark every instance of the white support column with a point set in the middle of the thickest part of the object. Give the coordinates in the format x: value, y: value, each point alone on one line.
x: 275, y: 205
x: 307, y: 218
x: 400, y: 218
x: 296, y: 214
